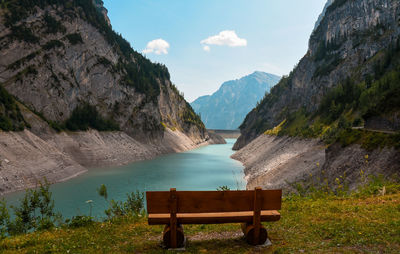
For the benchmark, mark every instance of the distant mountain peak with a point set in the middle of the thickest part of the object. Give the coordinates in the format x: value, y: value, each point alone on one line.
x: 227, y: 107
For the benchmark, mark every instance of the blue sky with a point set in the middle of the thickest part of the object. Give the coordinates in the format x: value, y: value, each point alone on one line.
x: 263, y: 35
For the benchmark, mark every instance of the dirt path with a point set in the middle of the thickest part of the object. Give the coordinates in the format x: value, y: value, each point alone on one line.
x: 374, y: 130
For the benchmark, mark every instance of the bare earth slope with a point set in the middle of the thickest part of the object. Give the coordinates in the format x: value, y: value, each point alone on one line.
x: 280, y: 162
x: 27, y: 158
x: 273, y: 162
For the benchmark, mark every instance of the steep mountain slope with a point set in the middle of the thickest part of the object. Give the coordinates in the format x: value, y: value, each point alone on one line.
x: 61, y: 56
x: 69, y: 71
x: 322, y: 15
x: 350, y: 68
x: 226, y: 108
x: 335, y: 119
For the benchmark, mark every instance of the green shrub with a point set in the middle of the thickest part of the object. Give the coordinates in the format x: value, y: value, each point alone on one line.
x: 328, y: 66
x: 190, y: 117
x: 357, y: 122
x: 135, y: 202
x: 56, y: 126
x: 53, y: 44
x: 103, y: 191
x: 4, y: 219
x: 11, y: 118
x: 347, y: 136
x: 376, y: 184
x: 19, y: 63
x: 104, y: 61
x: 23, y: 33
x: 86, y: 116
x: 133, y: 206
x: 79, y: 221
x: 74, y: 38
x: 35, y: 212
x: 52, y: 25
x: 223, y: 188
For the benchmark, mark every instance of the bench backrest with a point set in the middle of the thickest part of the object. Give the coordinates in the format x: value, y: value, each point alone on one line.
x: 212, y: 201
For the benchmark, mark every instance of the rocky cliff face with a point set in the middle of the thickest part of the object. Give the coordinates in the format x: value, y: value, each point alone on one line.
x: 100, y: 6
x: 56, y: 56
x: 322, y: 15
x: 226, y: 108
x: 55, y: 59
x: 347, y: 43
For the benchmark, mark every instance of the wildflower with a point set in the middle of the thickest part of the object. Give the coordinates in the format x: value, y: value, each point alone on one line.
x: 317, y: 164
x: 366, y: 157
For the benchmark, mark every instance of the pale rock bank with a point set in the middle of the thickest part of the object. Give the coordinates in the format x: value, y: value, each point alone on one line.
x: 39, y: 153
x: 280, y: 162
x: 26, y: 158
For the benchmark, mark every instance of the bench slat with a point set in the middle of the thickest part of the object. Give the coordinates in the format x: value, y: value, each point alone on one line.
x: 212, y: 201
x: 213, y: 218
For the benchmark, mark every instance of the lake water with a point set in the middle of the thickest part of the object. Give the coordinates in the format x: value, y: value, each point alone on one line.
x: 205, y: 168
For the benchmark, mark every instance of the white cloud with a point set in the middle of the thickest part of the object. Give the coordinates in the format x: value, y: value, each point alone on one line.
x: 158, y: 47
x: 206, y: 48
x: 225, y: 38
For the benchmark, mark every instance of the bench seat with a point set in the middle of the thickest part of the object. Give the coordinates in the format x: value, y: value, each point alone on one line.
x: 248, y: 207
x: 212, y: 218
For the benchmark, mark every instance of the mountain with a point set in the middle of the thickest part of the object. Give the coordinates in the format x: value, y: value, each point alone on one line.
x: 333, y: 122
x: 322, y: 15
x: 349, y: 73
x: 226, y: 108
x: 76, y: 95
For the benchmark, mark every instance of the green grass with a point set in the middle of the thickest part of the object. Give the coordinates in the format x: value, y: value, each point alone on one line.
x: 330, y: 224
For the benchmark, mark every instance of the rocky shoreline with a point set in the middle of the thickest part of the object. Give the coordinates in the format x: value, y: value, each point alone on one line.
x: 27, y: 158
x: 281, y: 162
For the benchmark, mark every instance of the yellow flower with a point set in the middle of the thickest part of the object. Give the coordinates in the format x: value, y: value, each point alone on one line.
x: 366, y: 157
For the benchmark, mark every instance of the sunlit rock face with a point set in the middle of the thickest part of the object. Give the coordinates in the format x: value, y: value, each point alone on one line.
x: 349, y: 35
x: 54, y: 58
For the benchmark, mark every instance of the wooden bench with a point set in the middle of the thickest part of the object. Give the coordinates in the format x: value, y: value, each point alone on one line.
x: 250, y: 207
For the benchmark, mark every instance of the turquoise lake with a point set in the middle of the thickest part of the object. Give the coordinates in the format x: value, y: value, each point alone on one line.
x: 205, y: 168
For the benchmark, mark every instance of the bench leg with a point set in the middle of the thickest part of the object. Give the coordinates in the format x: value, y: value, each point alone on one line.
x: 249, y: 232
x: 180, y: 238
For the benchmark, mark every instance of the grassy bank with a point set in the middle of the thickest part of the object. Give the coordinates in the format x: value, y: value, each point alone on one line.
x: 358, y: 223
